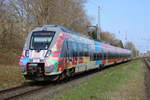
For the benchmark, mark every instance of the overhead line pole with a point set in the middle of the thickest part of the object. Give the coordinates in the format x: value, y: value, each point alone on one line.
x: 99, y: 26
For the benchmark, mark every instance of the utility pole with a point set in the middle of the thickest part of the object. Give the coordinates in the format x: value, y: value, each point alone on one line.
x: 99, y: 26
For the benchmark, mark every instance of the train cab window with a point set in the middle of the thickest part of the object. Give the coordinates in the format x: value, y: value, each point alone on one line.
x: 41, y: 40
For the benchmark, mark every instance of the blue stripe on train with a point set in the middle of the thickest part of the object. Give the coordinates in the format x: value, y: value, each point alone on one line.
x: 98, y: 62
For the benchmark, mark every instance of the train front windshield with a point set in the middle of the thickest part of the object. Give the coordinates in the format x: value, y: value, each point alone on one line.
x: 41, y: 40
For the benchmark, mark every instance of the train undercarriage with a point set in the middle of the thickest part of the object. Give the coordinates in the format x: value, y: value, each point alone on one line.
x: 35, y: 71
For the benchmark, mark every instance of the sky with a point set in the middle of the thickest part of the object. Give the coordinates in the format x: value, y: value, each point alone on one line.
x: 124, y: 18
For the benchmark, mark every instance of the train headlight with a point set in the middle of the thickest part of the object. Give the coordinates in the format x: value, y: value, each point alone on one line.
x: 48, y: 53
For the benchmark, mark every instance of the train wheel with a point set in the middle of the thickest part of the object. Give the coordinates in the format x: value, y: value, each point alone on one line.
x: 101, y: 66
x: 63, y: 75
x: 55, y: 78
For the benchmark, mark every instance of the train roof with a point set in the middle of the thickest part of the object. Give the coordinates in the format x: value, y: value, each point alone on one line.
x: 59, y: 28
x: 49, y: 27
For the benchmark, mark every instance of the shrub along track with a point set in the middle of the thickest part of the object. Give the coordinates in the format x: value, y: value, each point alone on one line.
x: 33, y: 87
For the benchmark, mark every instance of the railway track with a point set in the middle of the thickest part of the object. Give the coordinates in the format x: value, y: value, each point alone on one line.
x: 22, y: 90
x: 147, y: 62
x: 147, y: 78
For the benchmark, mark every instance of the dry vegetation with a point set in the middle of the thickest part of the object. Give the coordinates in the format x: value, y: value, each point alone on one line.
x: 10, y: 76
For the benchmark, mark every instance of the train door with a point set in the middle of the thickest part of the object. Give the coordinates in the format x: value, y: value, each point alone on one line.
x: 64, y: 54
x: 102, y: 55
x: 74, y: 58
x: 69, y: 54
x: 102, y: 58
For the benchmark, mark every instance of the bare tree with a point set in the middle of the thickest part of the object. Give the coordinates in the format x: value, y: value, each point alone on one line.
x: 20, y: 16
x: 131, y: 46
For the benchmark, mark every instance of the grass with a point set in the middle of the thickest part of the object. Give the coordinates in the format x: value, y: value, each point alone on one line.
x: 123, y: 82
x: 10, y: 76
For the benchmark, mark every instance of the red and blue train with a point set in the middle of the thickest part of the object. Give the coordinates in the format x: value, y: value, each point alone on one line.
x: 53, y: 52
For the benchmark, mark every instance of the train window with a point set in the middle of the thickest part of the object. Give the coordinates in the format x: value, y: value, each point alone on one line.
x: 105, y: 55
x: 82, y: 50
x: 95, y: 56
x: 85, y: 50
x: 88, y: 50
x: 120, y: 55
x: 98, y: 56
x: 74, y: 46
x: 79, y: 49
x: 114, y: 56
x: 117, y: 55
x: 77, y: 54
x: 109, y: 55
x: 92, y: 53
x: 91, y: 56
x: 101, y: 56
